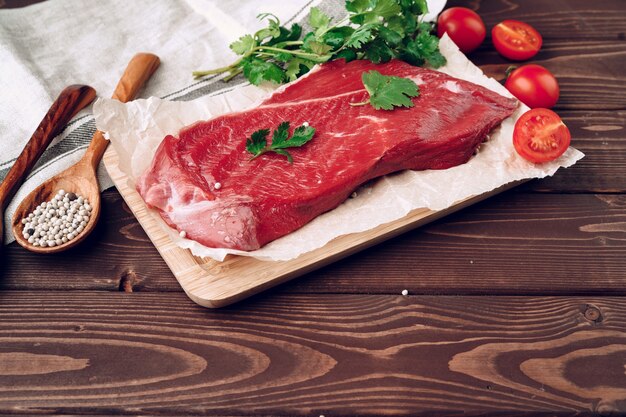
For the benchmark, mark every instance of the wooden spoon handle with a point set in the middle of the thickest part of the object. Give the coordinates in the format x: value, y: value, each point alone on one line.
x: 139, y: 70
x: 71, y: 100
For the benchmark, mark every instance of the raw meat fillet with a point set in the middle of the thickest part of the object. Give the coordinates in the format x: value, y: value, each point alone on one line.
x: 260, y: 200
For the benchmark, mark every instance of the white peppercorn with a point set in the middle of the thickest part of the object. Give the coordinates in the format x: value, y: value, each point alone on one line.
x: 55, y: 222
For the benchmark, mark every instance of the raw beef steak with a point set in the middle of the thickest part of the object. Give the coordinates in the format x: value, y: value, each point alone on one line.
x: 256, y: 201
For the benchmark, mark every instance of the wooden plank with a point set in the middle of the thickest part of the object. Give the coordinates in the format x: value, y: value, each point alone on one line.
x: 556, y: 19
x: 309, y: 355
x: 590, y: 72
x: 508, y: 244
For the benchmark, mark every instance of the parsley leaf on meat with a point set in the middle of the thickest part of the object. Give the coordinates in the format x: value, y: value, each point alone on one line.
x: 377, y: 30
x: 387, y: 92
x: 257, y: 143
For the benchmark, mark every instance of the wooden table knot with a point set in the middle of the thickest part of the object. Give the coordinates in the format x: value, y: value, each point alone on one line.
x: 593, y: 313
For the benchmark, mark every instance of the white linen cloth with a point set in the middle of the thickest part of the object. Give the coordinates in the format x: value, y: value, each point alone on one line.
x: 49, y: 45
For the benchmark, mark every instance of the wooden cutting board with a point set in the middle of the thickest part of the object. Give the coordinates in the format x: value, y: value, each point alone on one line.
x: 216, y: 284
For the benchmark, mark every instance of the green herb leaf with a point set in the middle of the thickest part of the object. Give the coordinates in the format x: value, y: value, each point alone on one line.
x: 337, y: 37
x: 319, y: 48
x: 272, y: 30
x: 391, y: 37
x: 424, y: 48
x: 301, y: 135
x: 280, y: 135
x: 347, y: 54
x: 386, y: 8
x: 257, y: 143
x: 380, y: 30
x: 378, y: 51
x: 256, y: 70
x: 360, y: 36
x: 317, y: 19
x: 286, y: 35
x: 243, y: 45
x: 298, y: 67
x: 387, y: 92
x: 357, y: 6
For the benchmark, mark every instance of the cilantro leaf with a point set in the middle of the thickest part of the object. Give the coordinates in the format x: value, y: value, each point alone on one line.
x: 391, y: 37
x: 318, y: 19
x: 378, y: 51
x: 257, y: 143
x: 319, y: 48
x: 286, y: 35
x: 337, y: 37
x: 386, y: 8
x: 280, y: 135
x: 357, y: 6
x: 424, y: 48
x: 347, y: 54
x: 256, y: 70
x: 272, y: 30
x: 298, y: 67
x: 243, y: 45
x: 387, y: 92
x: 301, y: 135
x: 360, y: 36
x: 378, y: 30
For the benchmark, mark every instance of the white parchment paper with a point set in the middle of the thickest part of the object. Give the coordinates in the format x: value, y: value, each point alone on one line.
x: 137, y: 128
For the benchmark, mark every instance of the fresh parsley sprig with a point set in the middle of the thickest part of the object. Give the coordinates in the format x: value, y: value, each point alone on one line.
x: 257, y: 144
x: 377, y: 30
x: 387, y: 92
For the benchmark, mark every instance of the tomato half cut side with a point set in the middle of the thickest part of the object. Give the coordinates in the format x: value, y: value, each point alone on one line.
x: 516, y: 40
x: 541, y: 136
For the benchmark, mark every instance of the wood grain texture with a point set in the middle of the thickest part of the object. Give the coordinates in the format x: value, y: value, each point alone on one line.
x: 302, y: 350
x: 306, y: 355
x: 590, y: 72
x: 556, y: 19
x: 514, y: 243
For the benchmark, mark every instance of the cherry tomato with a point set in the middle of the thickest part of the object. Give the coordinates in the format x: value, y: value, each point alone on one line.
x: 463, y: 26
x: 534, y: 86
x: 540, y: 136
x: 516, y: 40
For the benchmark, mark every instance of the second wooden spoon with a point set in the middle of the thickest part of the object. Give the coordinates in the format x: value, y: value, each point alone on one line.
x: 81, y: 178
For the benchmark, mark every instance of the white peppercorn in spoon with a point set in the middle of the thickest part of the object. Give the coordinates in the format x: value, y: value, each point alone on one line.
x: 80, y: 179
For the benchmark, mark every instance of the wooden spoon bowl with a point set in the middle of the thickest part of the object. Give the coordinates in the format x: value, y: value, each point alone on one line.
x: 81, y: 179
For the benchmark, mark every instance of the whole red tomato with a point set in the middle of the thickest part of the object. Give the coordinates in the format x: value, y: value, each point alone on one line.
x: 463, y: 26
x: 534, y: 86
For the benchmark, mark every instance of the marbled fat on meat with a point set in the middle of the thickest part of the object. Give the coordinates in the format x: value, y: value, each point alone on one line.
x: 263, y: 199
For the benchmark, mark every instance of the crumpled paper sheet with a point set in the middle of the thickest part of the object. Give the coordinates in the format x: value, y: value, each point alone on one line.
x: 137, y: 128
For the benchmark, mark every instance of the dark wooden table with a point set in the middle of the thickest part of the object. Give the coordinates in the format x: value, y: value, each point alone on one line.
x: 516, y: 304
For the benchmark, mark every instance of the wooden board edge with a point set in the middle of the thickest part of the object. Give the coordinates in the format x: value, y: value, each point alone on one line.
x: 212, y: 284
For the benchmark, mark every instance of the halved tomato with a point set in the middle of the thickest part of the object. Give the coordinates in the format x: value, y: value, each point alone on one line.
x: 516, y: 40
x: 541, y: 136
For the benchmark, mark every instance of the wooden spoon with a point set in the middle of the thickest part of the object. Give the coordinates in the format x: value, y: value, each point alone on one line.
x: 71, y: 100
x: 81, y: 178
